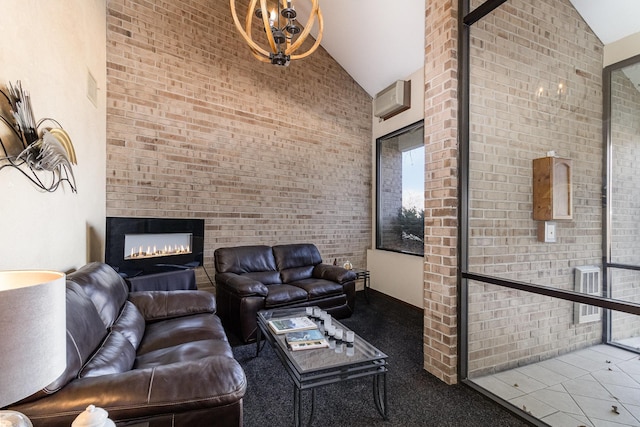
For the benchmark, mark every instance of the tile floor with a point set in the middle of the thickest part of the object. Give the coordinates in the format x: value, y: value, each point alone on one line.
x: 595, y: 387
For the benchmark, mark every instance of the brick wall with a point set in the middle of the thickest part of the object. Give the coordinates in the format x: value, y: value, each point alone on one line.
x: 515, y: 52
x: 441, y: 171
x: 390, y: 193
x: 199, y: 128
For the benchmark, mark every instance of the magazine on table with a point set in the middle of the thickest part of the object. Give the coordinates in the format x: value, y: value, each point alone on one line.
x: 306, y: 340
x: 293, y: 324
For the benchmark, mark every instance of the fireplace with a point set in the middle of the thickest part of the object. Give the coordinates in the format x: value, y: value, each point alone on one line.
x: 138, y: 246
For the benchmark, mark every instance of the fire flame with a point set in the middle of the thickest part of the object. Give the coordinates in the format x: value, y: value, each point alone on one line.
x: 167, y: 250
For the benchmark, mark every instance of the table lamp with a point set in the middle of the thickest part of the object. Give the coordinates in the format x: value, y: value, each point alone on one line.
x: 33, y: 339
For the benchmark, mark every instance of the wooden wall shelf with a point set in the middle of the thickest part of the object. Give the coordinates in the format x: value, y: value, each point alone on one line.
x: 552, y: 196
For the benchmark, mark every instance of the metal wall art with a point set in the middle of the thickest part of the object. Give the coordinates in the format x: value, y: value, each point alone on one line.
x: 32, y: 148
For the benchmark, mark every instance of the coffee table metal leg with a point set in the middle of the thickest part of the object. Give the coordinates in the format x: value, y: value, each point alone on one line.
x: 258, y: 338
x: 297, y: 406
x: 380, y: 394
x: 366, y: 287
x: 313, y: 404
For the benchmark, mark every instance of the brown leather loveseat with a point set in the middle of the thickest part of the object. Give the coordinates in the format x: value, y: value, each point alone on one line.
x: 253, y: 278
x: 153, y: 358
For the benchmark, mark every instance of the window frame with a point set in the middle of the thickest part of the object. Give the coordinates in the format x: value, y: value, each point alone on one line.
x: 378, y: 219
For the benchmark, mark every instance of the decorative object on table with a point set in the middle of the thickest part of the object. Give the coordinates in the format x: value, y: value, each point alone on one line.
x: 33, y: 335
x: 347, y: 265
x: 306, y: 340
x: 285, y: 35
x: 282, y: 326
x: 93, y: 417
x: 38, y: 149
x: 14, y: 419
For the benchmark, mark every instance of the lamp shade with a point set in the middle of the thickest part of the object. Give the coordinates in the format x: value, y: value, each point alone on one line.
x: 32, y: 332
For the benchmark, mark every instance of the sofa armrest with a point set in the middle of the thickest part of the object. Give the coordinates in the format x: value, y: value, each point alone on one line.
x: 160, y: 305
x: 334, y: 273
x: 141, y: 393
x: 241, y: 285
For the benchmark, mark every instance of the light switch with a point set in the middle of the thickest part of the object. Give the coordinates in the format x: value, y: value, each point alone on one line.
x: 547, y: 232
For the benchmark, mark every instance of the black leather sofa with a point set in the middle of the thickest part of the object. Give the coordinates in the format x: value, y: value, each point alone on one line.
x: 153, y: 358
x: 253, y: 278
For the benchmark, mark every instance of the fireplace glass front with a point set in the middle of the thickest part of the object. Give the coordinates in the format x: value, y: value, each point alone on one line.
x: 138, y: 246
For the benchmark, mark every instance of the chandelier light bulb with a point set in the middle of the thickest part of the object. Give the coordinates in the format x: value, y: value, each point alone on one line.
x: 272, y: 17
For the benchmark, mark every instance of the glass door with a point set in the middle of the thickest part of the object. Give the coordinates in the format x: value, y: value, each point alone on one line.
x: 622, y: 108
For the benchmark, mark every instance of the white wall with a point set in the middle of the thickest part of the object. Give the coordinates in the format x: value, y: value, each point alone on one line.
x: 622, y: 49
x: 51, y: 46
x: 397, y: 275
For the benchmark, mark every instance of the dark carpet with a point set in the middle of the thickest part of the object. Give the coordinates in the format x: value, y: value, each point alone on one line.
x: 415, y: 397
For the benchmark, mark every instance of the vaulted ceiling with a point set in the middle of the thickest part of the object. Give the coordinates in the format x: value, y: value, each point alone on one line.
x: 380, y: 41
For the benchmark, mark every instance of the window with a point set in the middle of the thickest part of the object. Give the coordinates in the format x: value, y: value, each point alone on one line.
x: 400, y: 186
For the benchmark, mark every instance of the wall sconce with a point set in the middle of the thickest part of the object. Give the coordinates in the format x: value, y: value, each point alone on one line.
x: 561, y: 94
x: 49, y: 150
x: 552, y: 97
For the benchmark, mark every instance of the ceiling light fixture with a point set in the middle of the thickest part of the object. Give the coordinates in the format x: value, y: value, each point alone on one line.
x: 285, y: 36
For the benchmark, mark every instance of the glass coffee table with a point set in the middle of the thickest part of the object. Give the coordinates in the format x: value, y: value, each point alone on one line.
x: 309, y: 369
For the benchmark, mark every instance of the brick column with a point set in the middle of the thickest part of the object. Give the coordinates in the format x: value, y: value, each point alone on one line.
x: 441, y: 191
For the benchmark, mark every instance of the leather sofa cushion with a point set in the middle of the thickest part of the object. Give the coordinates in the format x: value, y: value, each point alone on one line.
x: 130, y: 323
x: 265, y: 277
x: 244, y: 259
x: 183, y: 352
x: 104, y: 286
x: 160, y: 305
x: 284, y: 294
x: 115, y: 355
x: 205, y: 387
x: 319, y: 288
x: 296, y: 255
x: 297, y: 273
x: 181, y: 330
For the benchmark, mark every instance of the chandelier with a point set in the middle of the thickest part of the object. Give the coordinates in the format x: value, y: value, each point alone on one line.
x: 284, y: 35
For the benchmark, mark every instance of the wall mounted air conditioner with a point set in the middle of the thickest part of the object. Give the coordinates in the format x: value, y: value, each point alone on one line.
x: 393, y: 100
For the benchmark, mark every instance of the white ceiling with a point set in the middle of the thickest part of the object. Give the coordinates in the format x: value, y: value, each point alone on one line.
x: 376, y: 41
x: 610, y: 20
x: 380, y: 41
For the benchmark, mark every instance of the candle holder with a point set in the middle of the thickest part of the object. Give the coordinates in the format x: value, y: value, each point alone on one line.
x: 331, y: 331
x: 349, y: 338
x: 327, y: 321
